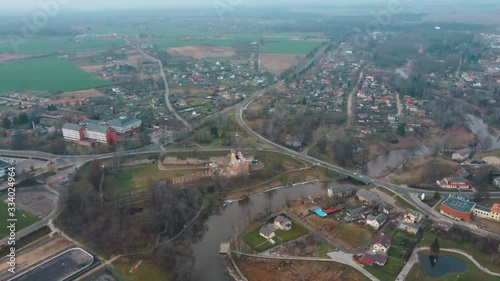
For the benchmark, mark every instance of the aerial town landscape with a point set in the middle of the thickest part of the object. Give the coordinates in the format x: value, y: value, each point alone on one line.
x: 250, y: 140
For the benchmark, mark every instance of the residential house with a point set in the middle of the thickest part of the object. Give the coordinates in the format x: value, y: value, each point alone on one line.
x: 392, y: 117
x: 340, y: 191
x: 376, y: 221
x: 73, y: 132
x: 267, y: 231
x: 386, y: 208
x: 282, y: 222
x: 367, y: 196
x: 462, y: 154
x: 356, y: 211
x: 411, y: 221
x: 454, y: 182
x: 370, y: 259
x: 293, y: 141
x: 382, y: 243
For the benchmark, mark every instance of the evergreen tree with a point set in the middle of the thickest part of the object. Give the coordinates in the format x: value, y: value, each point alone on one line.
x: 435, y: 246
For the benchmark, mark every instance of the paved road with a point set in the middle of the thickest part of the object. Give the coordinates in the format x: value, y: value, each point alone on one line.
x: 167, y: 92
x: 414, y: 259
x: 347, y: 259
x: 351, y: 96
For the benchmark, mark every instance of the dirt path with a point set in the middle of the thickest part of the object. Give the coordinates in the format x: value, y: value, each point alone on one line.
x: 399, y: 105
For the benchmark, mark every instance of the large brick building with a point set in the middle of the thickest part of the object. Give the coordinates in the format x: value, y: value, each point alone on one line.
x: 458, y: 208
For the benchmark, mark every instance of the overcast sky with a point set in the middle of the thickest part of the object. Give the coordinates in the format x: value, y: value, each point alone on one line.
x: 33, y: 5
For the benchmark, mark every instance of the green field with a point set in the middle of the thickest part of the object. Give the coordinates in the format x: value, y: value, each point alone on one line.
x: 64, y: 44
x: 259, y: 243
x: 287, y: 46
x: 146, y: 270
x: 389, y: 271
x: 24, y: 219
x: 45, y: 74
x: 136, y: 178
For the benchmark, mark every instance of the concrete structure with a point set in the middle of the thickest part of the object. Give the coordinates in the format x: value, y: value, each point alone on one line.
x: 454, y: 182
x: 458, y: 208
x: 376, y: 221
x: 73, y: 132
x: 282, y: 222
x: 125, y: 126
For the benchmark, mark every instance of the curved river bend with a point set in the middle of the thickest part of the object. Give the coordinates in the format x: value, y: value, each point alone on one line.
x: 221, y: 226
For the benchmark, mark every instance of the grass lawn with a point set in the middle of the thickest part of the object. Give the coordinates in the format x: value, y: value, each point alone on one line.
x: 470, y: 248
x: 351, y: 234
x: 473, y: 273
x: 45, y: 74
x: 147, y: 270
x: 259, y: 243
x: 136, y: 178
x: 389, y: 271
x: 386, y: 191
x: 323, y: 250
x: 400, y: 202
x: 24, y: 219
x: 65, y: 44
x: 397, y: 236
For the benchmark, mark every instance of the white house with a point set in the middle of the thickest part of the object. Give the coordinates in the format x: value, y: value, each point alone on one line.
x: 376, y: 221
x: 267, y: 231
x: 283, y: 223
x: 382, y: 243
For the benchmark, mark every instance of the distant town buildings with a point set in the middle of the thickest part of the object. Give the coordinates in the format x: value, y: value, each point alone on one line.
x: 93, y: 131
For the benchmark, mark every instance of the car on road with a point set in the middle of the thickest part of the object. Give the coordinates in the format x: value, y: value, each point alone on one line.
x: 372, y: 181
x: 361, y: 177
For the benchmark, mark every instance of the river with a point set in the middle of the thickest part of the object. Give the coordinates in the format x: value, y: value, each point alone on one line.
x: 480, y: 129
x: 221, y: 226
x: 376, y: 167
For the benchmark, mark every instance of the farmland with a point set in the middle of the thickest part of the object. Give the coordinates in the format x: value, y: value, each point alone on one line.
x: 64, y: 44
x: 45, y: 74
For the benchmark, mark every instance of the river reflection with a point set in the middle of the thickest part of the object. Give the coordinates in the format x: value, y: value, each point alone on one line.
x: 376, y: 167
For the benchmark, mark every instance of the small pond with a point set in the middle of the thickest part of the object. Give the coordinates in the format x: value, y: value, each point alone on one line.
x: 437, y: 266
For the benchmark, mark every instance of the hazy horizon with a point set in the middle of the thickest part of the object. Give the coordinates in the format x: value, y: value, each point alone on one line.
x: 91, y: 5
